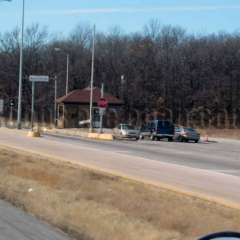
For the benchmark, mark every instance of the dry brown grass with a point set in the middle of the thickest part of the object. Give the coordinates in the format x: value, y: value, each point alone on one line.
x: 91, y: 205
x: 221, y: 133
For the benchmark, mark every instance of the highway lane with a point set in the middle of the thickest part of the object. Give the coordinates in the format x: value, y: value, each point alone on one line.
x: 17, y: 225
x: 218, y: 155
x: 211, y: 170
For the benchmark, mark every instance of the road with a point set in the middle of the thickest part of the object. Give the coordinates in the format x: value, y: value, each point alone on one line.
x: 209, y: 170
x: 218, y: 155
x: 16, y: 225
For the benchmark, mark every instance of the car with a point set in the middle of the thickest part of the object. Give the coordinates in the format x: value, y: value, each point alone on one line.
x: 222, y: 236
x: 126, y: 131
x: 157, y: 130
x: 186, y: 134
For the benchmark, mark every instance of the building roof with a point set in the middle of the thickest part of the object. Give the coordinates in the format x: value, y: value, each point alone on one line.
x: 82, y: 96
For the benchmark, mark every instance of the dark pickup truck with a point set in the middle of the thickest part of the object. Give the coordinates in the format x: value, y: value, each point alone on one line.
x: 158, y: 129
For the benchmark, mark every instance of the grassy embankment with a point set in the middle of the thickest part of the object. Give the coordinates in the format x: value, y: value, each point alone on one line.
x: 91, y: 205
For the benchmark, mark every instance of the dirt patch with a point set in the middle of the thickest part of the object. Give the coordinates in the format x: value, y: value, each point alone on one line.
x: 38, y: 175
x: 90, y: 205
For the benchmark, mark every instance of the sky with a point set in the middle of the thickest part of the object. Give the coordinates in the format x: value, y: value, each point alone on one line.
x: 61, y: 16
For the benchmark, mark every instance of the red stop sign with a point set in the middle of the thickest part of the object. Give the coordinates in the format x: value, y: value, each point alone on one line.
x: 102, y: 103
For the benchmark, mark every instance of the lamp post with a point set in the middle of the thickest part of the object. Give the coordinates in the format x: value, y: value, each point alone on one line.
x: 123, y: 80
x: 92, y: 79
x: 67, y: 69
x: 19, y: 115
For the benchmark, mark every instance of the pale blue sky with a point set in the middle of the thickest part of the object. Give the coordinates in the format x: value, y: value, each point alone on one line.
x: 197, y: 16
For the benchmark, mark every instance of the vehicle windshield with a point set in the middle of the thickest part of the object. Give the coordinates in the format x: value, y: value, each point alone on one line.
x: 127, y: 127
x: 190, y: 129
x: 164, y: 124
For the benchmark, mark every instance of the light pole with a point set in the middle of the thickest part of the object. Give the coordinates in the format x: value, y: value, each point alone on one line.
x: 67, y: 75
x: 67, y: 69
x: 20, y: 66
x: 19, y: 115
x: 92, y: 79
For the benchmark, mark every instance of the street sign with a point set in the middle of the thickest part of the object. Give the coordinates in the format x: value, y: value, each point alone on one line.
x: 102, y: 103
x: 38, y: 78
x: 1, y: 106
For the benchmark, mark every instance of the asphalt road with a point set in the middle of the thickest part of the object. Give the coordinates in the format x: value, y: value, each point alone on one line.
x: 16, y: 225
x: 210, y: 169
x: 217, y: 155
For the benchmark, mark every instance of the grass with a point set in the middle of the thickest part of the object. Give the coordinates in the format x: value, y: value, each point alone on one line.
x: 90, y: 205
x: 221, y: 133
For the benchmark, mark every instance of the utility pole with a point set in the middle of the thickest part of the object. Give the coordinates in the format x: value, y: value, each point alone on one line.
x: 19, y: 115
x: 92, y: 79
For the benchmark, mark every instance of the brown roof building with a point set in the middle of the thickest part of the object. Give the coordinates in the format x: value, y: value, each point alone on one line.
x: 74, y: 108
x: 82, y: 96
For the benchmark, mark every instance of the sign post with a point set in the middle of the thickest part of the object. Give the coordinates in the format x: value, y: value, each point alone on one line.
x: 33, y: 103
x: 101, y: 113
x: 34, y: 79
x: 1, y: 111
x: 102, y: 104
x: 11, y: 111
x: 1, y: 106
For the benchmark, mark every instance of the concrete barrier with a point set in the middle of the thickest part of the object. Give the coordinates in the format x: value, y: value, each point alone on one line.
x: 101, y: 136
x: 106, y: 136
x: 34, y: 134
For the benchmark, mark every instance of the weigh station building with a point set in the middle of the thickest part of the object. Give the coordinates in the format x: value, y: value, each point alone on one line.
x: 73, y: 109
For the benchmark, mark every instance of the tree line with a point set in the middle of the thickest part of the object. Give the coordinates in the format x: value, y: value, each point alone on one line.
x: 161, y: 71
